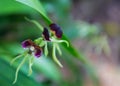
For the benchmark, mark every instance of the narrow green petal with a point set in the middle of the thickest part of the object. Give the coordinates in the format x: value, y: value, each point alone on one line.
x: 59, y: 41
x: 31, y: 61
x: 17, y: 57
x: 58, y: 48
x: 46, y: 49
x: 54, y: 56
x: 18, y: 68
x: 35, y: 22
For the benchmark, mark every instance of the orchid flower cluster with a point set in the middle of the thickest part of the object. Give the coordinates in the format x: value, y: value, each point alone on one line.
x: 38, y: 47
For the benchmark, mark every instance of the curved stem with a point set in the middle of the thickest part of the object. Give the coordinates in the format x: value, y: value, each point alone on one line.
x: 54, y: 56
x: 18, y: 68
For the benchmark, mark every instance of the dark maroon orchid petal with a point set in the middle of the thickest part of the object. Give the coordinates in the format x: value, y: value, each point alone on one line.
x: 38, y: 52
x: 26, y: 43
x: 58, y: 31
x: 46, y: 34
x: 54, y: 27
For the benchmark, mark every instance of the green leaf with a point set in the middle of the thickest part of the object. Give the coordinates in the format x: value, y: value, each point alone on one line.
x: 35, y: 4
x: 12, y: 7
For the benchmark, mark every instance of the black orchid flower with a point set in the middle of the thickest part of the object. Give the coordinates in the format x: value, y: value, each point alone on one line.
x: 32, y: 50
x: 32, y: 47
x: 56, y: 29
x: 46, y: 34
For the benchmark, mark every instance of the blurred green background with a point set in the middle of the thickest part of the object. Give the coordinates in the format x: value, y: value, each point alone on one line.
x: 93, y: 27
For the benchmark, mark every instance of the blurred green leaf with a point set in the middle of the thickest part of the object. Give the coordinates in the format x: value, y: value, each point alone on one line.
x: 11, y: 6
x: 35, y: 4
x: 83, y: 60
x: 47, y: 67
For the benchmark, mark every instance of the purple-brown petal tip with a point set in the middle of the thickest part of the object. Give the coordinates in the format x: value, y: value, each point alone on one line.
x: 54, y: 27
x: 38, y: 52
x: 58, y: 31
x: 26, y: 43
x: 46, y: 34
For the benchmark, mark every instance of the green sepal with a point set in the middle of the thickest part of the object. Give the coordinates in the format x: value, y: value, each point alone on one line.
x: 46, y: 49
x: 31, y: 61
x: 18, y: 68
x: 54, y: 56
x: 59, y: 41
x: 35, y: 22
x: 17, y: 57
x: 58, y: 49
